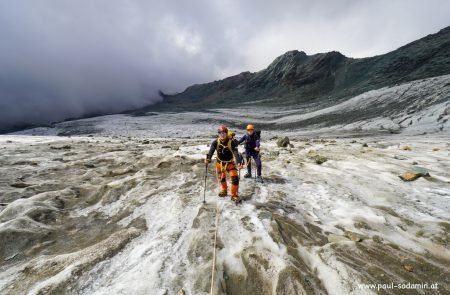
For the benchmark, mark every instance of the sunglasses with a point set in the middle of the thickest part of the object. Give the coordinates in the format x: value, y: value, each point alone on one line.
x: 222, y: 132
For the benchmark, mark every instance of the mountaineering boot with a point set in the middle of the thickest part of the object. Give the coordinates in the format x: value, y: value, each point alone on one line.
x: 235, y: 199
x: 247, y: 175
x: 223, y: 193
x: 259, y: 179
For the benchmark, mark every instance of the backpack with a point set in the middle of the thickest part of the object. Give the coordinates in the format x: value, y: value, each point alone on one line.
x: 258, y: 134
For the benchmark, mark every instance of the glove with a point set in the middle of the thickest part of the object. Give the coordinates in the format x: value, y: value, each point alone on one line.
x: 207, y: 161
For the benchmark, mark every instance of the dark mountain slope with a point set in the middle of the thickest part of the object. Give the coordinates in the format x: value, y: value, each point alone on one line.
x: 295, y: 78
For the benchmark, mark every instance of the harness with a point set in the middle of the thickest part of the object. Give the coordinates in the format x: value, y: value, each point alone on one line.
x: 228, y: 146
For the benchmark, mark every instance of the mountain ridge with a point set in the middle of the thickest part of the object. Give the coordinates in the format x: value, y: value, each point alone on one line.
x: 294, y: 77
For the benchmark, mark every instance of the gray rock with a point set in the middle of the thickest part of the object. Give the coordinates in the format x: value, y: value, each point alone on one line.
x: 377, y: 239
x: 283, y: 142
x: 319, y: 159
x: 422, y: 171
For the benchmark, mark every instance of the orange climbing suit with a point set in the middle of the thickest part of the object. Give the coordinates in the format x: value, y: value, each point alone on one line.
x: 223, y: 167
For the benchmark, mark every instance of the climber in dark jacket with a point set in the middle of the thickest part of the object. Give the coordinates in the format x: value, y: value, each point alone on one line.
x: 252, y: 146
x: 228, y: 160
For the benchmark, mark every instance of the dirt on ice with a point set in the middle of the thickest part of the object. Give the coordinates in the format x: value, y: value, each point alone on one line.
x: 124, y: 215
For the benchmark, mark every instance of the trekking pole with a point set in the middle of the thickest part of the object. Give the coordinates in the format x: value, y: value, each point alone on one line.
x: 254, y: 168
x: 204, y: 189
x: 242, y: 160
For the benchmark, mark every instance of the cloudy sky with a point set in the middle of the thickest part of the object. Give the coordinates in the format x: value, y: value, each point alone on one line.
x: 61, y: 58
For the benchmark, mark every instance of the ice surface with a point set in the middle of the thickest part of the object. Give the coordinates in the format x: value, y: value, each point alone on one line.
x: 116, y: 208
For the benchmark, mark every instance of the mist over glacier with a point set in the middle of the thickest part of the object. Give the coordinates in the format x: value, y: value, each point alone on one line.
x: 62, y: 59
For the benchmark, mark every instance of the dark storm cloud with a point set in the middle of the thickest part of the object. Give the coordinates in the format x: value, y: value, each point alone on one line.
x: 61, y: 59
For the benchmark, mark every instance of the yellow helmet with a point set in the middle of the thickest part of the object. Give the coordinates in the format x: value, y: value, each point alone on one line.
x: 250, y: 127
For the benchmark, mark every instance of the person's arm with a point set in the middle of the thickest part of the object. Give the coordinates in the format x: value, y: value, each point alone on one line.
x: 242, y: 139
x: 212, y: 149
x: 237, y: 158
x: 257, y: 143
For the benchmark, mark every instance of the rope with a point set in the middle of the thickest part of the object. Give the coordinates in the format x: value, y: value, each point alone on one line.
x: 213, y: 267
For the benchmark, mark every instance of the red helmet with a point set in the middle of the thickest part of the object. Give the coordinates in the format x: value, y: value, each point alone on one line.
x: 222, y: 128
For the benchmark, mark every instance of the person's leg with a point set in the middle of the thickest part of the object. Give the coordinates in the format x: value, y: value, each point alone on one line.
x: 258, y: 163
x: 222, y: 179
x: 232, y: 171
